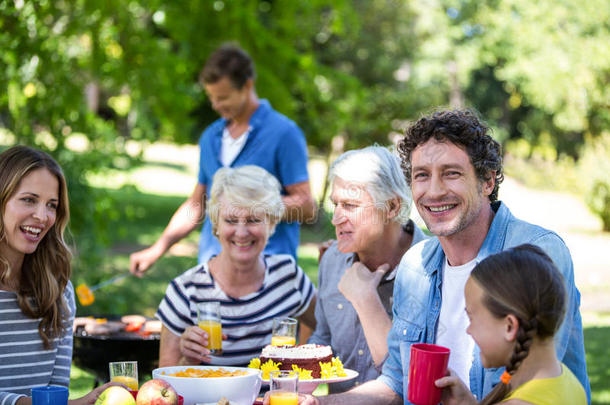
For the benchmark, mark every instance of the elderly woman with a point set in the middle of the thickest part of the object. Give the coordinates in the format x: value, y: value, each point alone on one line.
x: 244, y: 206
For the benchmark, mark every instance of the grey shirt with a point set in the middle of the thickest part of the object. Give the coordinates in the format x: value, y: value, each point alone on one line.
x: 24, y: 362
x: 337, y: 322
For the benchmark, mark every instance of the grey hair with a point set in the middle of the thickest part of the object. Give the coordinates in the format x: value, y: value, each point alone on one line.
x: 250, y: 187
x: 378, y: 170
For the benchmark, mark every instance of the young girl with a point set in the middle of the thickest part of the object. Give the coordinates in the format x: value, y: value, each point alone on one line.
x: 36, y: 297
x: 515, y: 301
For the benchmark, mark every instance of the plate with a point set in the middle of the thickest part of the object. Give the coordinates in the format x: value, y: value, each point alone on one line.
x: 308, y: 386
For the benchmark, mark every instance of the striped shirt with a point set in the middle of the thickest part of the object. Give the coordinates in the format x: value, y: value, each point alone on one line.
x: 24, y: 362
x: 248, y: 320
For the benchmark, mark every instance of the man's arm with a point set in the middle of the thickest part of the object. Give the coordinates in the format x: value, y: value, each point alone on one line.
x: 300, y: 205
x: 359, y: 286
x: 321, y: 334
x: 185, y: 219
x: 307, y: 322
x: 372, y: 392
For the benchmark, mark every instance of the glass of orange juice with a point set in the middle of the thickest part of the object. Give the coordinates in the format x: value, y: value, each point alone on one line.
x: 284, y: 332
x: 284, y: 387
x: 208, y: 318
x: 125, y: 372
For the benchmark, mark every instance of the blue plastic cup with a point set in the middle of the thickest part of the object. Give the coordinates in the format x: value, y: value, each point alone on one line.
x: 51, y: 395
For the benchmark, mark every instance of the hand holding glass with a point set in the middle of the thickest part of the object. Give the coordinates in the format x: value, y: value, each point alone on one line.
x: 284, y: 332
x: 208, y: 318
x: 283, y: 387
x: 125, y: 372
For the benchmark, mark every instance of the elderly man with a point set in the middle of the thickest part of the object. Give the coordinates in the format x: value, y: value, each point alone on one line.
x: 357, y: 272
x: 454, y: 168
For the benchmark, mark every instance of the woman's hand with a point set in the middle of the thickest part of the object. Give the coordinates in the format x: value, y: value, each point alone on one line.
x: 193, y: 344
x: 455, y: 391
x: 91, y: 397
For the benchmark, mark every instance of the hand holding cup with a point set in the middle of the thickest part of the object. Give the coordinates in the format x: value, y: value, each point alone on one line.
x: 428, y: 363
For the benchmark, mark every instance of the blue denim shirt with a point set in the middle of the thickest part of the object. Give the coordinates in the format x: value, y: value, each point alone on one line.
x: 417, y: 303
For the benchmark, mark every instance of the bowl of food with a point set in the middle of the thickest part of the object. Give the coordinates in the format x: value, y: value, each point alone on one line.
x: 201, y: 384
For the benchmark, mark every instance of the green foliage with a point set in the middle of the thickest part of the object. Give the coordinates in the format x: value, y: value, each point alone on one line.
x: 110, y: 71
x: 139, y: 222
x: 537, y: 167
x: 597, y: 353
x: 594, y: 167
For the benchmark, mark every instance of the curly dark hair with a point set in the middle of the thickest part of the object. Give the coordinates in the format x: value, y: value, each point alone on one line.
x: 228, y: 61
x: 464, y: 129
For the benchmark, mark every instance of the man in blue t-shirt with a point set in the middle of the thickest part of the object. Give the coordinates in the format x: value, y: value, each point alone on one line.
x: 249, y: 132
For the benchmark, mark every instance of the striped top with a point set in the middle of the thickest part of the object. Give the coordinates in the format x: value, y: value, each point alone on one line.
x: 248, y: 320
x: 24, y: 362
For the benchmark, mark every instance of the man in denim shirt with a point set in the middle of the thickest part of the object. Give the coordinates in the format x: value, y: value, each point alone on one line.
x: 454, y: 168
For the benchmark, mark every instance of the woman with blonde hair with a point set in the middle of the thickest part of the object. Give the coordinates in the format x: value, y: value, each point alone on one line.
x: 36, y: 297
x: 244, y: 206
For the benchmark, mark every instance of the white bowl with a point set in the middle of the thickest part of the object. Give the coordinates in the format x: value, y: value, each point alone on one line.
x: 241, y: 390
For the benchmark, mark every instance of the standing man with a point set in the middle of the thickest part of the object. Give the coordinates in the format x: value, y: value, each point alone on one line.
x: 249, y: 132
x: 356, y: 274
x: 455, y: 168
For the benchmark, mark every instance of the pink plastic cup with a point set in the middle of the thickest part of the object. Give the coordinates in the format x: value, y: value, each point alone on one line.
x: 428, y: 363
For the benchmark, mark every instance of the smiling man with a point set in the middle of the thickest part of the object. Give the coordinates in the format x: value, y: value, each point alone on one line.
x: 454, y: 168
x: 248, y: 132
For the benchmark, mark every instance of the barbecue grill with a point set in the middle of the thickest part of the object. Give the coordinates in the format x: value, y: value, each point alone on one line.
x: 93, y: 352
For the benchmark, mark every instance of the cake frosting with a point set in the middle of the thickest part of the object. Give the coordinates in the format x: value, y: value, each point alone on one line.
x: 307, y: 356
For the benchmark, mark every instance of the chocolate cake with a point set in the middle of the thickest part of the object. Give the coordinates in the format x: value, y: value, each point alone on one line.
x: 307, y: 357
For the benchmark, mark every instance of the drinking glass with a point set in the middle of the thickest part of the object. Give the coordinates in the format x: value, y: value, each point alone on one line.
x: 125, y: 372
x: 208, y: 318
x: 284, y: 387
x: 284, y: 332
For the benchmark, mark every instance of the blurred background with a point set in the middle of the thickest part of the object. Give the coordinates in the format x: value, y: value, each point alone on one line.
x: 110, y: 89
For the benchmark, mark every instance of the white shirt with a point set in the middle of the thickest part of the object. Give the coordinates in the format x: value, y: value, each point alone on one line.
x: 453, y: 319
x: 231, y: 147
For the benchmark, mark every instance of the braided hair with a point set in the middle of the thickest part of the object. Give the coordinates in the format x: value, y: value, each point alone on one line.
x: 522, y: 281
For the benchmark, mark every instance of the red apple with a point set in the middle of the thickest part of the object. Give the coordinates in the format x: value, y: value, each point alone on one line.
x: 157, y: 392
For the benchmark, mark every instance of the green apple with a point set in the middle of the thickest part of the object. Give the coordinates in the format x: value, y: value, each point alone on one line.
x: 115, y: 396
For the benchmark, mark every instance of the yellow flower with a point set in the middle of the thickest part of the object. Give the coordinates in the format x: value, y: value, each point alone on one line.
x: 268, y: 367
x: 326, y: 370
x: 338, y: 367
x: 303, y: 373
x: 255, y: 363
